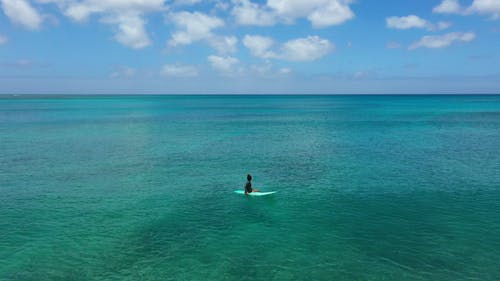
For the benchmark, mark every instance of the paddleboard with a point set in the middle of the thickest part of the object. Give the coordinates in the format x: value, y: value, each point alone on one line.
x: 255, y: 193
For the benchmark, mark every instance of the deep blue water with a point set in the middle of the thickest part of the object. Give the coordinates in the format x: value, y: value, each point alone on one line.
x: 141, y: 188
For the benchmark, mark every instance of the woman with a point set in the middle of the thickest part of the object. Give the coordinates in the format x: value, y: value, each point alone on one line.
x: 248, y: 186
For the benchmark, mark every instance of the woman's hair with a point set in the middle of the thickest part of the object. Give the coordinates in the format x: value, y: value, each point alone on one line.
x: 249, y: 177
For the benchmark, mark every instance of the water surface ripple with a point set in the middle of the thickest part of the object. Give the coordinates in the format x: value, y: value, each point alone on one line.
x: 141, y: 188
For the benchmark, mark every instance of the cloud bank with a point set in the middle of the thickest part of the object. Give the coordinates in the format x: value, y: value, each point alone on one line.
x: 302, y: 49
x: 22, y: 13
x: 442, y: 41
x: 489, y: 8
x: 413, y: 21
x: 320, y: 13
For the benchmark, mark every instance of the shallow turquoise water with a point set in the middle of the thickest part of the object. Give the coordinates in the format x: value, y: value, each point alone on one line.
x: 141, y: 188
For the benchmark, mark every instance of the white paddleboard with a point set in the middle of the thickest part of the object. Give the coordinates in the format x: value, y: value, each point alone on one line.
x: 255, y: 193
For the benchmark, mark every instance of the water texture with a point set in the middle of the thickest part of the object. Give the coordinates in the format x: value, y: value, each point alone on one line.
x: 141, y: 188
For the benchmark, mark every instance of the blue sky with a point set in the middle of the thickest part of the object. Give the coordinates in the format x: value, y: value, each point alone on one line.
x: 249, y: 46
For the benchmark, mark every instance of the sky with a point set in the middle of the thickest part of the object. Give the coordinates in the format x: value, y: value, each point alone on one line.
x: 249, y: 47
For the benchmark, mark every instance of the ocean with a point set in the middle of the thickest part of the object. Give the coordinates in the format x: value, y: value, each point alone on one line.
x: 142, y: 187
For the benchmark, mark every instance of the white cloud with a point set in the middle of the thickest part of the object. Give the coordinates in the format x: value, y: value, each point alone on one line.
x: 442, y: 41
x: 3, y: 39
x: 413, y: 21
x: 306, y: 49
x: 259, y: 46
x: 321, y: 13
x: 22, y: 13
x: 487, y: 7
x: 248, y: 13
x: 177, y: 70
x: 264, y: 69
x: 224, y: 64
x: 285, y: 70
x: 407, y: 22
x: 362, y: 74
x: 301, y: 49
x: 81, y: 10
x: 192, y: 27
x: 196, y: 26
x: 22, y: 64
x: 221, y: 5
x: 333, y: 13
x: 123, y: 72
x: 484, y: 7
x: 131, y: 30
x: 126, y: 16
x: 224, y: 44
x: 448, y: 7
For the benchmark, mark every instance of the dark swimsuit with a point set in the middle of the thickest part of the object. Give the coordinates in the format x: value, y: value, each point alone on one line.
x: 248, y: 187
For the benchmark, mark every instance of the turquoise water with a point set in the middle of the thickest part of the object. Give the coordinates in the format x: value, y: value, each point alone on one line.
x: 141, y: 188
